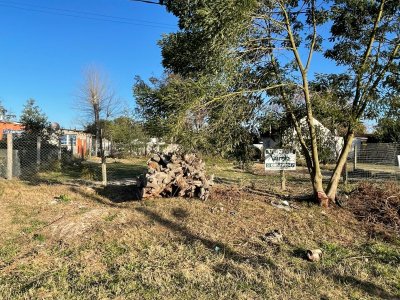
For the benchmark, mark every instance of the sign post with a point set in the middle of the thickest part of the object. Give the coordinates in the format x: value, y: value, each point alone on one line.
x: 280, y: 160
x: 283, y: 180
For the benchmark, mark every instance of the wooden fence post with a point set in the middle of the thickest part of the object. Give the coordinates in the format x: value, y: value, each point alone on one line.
x: 283, y: 180
x: 9, y: 156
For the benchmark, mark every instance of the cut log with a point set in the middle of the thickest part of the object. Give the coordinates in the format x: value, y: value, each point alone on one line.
x: 173, y: 174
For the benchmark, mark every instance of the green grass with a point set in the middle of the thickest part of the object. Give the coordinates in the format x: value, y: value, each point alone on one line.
x: 94, y: 248
x: 91, y: 170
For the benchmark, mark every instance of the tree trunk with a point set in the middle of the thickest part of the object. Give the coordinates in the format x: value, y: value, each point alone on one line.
x: 99, y: 143
x: 334, y: 181
x: 316, y: 175
x: 103, y: 160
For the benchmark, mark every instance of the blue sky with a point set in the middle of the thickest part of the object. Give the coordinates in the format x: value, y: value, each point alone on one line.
x: 45, y: 46
x: 43, y: 51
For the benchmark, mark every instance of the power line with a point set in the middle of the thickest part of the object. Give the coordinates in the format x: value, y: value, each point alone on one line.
x: 83, y: 14
x: 160, y: 2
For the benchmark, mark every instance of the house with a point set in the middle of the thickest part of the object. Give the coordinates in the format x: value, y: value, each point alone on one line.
x: 10, y: 127
x: 327, y: 140
x: 78, y: 142
x: 330, y: 145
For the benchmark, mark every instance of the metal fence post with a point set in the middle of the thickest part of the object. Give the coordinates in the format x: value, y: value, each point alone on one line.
x: 38, y: 149
x: 59, y: 149
x: 9, y: 156
x: 104, y: 171
x: 72, y: 146
x: 90, y: 147
x: 355, y: 158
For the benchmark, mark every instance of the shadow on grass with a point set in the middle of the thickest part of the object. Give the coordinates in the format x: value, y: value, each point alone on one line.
x: 118, y: 170
x: 120, y: 193
x: 215, y: 246
x: 308, y: 198
x: 180, y: 213
x: 368, y: 287
x: 113, y: 196
x: 299, y: 253
x: 76, y: 170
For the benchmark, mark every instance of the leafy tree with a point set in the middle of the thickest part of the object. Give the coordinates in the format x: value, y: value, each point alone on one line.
x: 179, y: 109
x: 124, y: 132
x: 388, y: 127
x: 33, y: 119
x: 366, y: 37
x: 128, y: 135
x: 265, y: 49
x: 5, y: 114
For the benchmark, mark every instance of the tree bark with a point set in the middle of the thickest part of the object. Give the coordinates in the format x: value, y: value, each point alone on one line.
x: 334, y: 181
x: 99, y: 139
x: 316, y: 176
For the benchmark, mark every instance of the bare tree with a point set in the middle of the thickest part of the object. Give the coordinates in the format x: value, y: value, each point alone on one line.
x: 96, y: 101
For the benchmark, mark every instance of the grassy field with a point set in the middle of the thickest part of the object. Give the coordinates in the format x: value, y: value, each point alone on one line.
x: 90, y: 170
x: 73, y: 241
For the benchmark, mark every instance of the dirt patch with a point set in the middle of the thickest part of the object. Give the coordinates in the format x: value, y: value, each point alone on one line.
x: 69, y: 228
x: 378, y: 206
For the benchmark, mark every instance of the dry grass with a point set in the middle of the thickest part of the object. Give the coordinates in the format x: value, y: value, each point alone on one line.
x: 378, y: 205
x: 69, y: 242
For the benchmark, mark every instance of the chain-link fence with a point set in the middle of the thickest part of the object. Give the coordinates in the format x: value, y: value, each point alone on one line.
x: 50, y: 157
x: 374, y: 161
x: 68, y: 155
x: 28, y: 156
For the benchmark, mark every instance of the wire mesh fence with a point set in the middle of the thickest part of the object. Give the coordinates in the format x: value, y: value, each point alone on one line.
x: 374, y: 161
x: 27, y: 155
x: 36, y: 157
x: 67, y: 155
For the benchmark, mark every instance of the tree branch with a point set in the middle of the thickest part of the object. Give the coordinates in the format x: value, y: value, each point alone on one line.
x: 314, y: 38
x: 361, y: 70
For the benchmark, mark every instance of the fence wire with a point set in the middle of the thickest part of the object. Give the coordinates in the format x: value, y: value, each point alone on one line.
x: 32, y: 155
x: 35, y: 157
x: 374, y: 161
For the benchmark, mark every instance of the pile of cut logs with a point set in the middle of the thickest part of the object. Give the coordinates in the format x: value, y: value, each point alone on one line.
x: 176, y: 175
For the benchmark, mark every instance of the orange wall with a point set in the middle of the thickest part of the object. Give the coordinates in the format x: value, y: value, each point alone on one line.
x: 9, y: 126
x: 82, y: 147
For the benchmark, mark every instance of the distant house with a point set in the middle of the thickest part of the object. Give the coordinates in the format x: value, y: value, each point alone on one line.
x: 327, y: 139
x: 82, y: 143
x: 77, y: 141
x: 10, y: 127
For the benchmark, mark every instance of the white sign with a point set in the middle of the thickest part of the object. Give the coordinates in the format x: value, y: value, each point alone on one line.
x: 280, y: 159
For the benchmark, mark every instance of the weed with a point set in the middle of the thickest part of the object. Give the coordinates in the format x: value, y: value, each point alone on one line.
x: 90, y: 172
x: 8, y: 251
x: 39, y: 237
x: 64, y: 198
x: 33, y: 225
x: 110, y: 218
